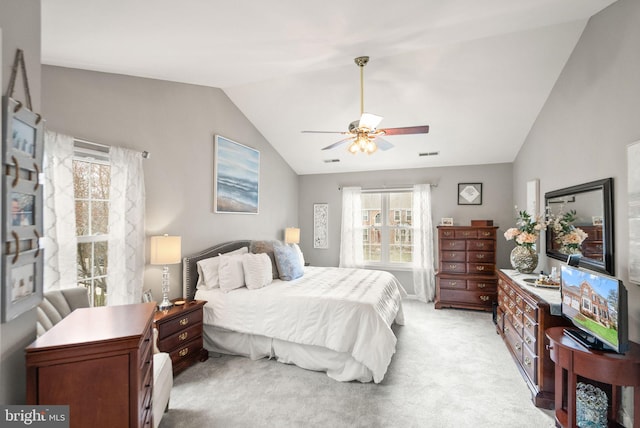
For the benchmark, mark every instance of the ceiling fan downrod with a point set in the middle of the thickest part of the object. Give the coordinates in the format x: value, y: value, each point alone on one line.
x: 361, y: 61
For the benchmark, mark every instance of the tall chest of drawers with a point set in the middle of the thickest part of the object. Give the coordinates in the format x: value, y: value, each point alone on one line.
x: 466, y: 275
x: 522, y: 317
x: 99, y: 362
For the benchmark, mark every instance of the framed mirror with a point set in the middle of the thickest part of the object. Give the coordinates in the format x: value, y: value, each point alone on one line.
x: 589, y: 208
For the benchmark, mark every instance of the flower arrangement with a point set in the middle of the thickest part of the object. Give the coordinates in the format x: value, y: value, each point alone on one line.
x: 528, y: 230
x: 566, y: 234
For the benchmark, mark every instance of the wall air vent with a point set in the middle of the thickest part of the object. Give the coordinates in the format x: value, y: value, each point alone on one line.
x: 429, y: 154
x: 331, y: 160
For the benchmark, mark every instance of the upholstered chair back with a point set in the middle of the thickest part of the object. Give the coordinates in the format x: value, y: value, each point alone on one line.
x: 57, y: 304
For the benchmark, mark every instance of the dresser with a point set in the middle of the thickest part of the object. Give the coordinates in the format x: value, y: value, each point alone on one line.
x: 99, y: 361
x: 466, y: 275
x: 180, y: 334
x: 524, y: 313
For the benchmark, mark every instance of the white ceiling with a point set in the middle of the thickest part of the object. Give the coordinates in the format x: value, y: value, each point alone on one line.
x: 477, y: 72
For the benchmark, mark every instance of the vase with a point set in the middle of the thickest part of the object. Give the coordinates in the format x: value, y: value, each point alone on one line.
x: 524, y: 259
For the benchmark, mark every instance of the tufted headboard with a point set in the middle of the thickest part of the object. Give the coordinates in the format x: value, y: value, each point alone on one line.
x: 190, y: 270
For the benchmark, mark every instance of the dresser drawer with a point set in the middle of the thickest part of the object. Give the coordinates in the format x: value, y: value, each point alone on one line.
x: 480, y: 257
x: 481, y: 285
x: 185, y: 320
x: 530, y: 364
x: 478, y: 298
x: 453, y: 267
x: 446, y: 234
x: 452, y: 245
x: 530, y: 326
x: 481, y: 268
x: 453, y: 256
x: 466, y: 234
x: 487, y: 233
x: 513, y: 340
x: 452, y: 283
x: 480, y: 245
x: 500, y: 319
x: 172, y: 342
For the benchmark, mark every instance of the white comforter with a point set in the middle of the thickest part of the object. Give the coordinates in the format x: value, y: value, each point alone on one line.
x: 346, y: 310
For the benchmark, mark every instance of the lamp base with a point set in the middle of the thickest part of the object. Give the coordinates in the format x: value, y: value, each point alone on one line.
x: 164, y: 305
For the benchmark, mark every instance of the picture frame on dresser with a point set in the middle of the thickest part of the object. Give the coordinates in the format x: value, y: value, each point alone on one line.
x: 469, y: 193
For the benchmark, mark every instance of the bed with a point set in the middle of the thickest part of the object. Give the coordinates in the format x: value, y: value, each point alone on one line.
x: 334, y: 320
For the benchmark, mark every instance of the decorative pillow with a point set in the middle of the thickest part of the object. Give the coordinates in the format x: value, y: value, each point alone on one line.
x: 231, y: 272
x: 266, y: 247
x: 288, y: 261
x: 299, y: 251
x: 208, y: 277
x: 257, y: 270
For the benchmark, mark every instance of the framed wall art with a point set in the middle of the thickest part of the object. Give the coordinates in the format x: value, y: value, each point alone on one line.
x: 633, y: 197
x: 237, y: 177
x: 469, y: 193
x: 22, y: 288
x: 321, y: 225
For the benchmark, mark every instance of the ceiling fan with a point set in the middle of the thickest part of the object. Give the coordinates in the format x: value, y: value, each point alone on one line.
x: 363, y: 134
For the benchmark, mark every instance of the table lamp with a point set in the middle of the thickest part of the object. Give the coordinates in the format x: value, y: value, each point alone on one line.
x: 292, y: 235
x: 165, y: 250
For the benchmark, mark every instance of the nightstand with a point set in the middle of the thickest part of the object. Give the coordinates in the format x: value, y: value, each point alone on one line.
x: 180, y: 334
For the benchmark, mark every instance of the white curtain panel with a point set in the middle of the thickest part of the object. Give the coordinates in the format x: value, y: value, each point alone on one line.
x: 59, y: 216
x: 423, y: 271
x: 351, y: 254
x: 126, y: 227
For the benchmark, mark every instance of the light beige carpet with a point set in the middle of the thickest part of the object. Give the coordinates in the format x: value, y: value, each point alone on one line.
x: 450, y: 370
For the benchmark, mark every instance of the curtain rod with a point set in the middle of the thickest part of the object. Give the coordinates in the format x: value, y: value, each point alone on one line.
x: 400, y: 188
x: 145, y: 154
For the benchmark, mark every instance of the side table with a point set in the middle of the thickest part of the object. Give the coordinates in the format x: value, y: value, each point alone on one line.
x: 572, y: 360
x: 180, y: 333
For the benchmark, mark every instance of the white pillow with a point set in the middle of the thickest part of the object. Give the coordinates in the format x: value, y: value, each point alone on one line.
x: 299, y: 251
x: 257, y: 270
x: 230, y: 272
x: 208, y: 277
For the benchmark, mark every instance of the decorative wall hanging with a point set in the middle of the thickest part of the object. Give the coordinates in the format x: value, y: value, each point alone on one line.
x: 469, y: 193
x: 237, y: 177
x: 320, y: 225
x: 633, y: 186
x: 22, y: 149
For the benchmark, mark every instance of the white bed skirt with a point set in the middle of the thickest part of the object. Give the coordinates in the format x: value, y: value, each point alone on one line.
x: 338, y: 365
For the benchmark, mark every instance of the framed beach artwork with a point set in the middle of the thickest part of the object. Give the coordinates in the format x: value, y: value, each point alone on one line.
x: 237, y: 177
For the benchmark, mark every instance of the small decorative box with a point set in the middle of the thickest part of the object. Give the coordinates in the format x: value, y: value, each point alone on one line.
x: 481, y: 222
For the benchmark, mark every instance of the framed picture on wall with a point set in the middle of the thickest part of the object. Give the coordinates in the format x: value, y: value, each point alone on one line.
x: 237, y: 177
x: 22, y: 288
x: 469, y: 193
x: 321, y: 225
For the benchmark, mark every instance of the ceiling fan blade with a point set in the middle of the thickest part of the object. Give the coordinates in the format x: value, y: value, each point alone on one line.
x: 337, y: 144
x: 383, y: 144
x: 323, y: 132
x: 407, y: 130
x: 369, y: 121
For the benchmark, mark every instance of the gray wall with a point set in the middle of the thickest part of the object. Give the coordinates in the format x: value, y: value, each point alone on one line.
x: 20, y: 25
x: 590, y: 117
x: 176, y: 123
x: 496, y: 205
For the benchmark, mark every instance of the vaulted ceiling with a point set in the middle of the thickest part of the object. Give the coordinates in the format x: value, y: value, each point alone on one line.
x: 477, y: 72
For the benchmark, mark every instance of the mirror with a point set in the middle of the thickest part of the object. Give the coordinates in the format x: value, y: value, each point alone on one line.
x: 589, y: 207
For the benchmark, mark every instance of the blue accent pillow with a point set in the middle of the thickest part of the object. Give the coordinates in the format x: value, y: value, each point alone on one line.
x: 288, y: 262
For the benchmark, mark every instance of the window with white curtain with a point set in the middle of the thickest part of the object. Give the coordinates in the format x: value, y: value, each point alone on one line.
x: 91, y: 182
x: 387, y: 240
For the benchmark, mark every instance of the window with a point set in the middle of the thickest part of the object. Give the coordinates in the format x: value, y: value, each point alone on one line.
x: 388, y: 240
x: 91, y: 180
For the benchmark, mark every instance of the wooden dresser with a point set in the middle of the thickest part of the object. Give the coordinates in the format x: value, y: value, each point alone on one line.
x: 524, y: 313
x: 180, y: 334
x: 466, y: 275
x: 99, y: 361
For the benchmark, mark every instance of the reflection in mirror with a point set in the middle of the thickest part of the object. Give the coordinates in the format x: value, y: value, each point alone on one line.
x: 581, y: 222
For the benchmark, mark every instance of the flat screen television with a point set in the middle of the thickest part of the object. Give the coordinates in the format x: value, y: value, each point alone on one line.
x: 596, y: 304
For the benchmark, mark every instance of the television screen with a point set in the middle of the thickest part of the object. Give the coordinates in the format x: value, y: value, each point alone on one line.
x: 596, y: 304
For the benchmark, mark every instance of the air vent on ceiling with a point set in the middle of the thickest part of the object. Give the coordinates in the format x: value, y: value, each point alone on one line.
x: 331, y: 160
x: 429, y: 154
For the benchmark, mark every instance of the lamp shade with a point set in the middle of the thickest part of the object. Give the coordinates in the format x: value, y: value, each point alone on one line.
x: 292, y: 235
x: 165, y: 250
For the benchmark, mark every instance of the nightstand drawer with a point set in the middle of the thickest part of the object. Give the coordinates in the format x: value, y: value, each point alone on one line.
x: 186, y: 352
x: 172, y: 342
x: 179, y: 323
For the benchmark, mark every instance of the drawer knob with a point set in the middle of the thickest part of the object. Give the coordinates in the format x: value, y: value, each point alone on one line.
x: 183, y: 352
x: 183, y: 336
x: 528, y: 324
x: 454, y: 283
x: 480, y: 256
x: 184, y: 321
x: 484, y: 298
x: 482, y: 285
x: 528, y: 340
x: 518, y: 346
x: 480, y: 268
x: 527, y: 361
x: 453, y: 267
